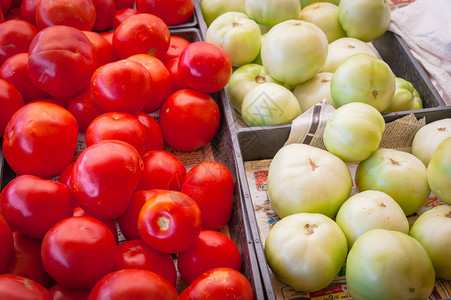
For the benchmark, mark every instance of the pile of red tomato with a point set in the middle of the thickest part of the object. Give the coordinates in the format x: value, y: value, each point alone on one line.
x: 99, y: 68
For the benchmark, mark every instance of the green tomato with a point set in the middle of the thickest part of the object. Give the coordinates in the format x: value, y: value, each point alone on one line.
x: 258, y: 59
x: 304, y: 3
x: 342, y: 48
x: 429, y: 137
x: 325, y: 16
x: 397, y: 173
x: 386, y: 264
x: 439, y: 171
x: 366, y: 20
x: 244, y: 79
x: 369, y: 210
x: 211, y: 9
x: 354, y: 131
x: 363, y: 78
x: 306, y: 251
x: 433, y: 230
x: 272, y: 12
x: 237, y: 35
x: 314, y: 90
x: 303, y: 178
x: 406, y: 97
x: 269, y: 104
x: 294, y: 51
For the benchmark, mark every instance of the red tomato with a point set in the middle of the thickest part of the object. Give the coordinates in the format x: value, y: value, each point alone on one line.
x: 10, y: 102
x: 6, y: 240
x: 79, y: 212
x: 162, y: 170
x: 26, y: 260
x: 128, y: 221
x: 84, y: 108
x: 32, y: 205
x: 124, y: 3
x: 40, y: 139
x: 15, y: 37
x: 5, y: 5
x: 218, y: 282
x: 61, y: 74
x: 169, y: 222
x: 13, y: 287
x: 189, y: 120
x: 135, y: 254
x: 80, y: 14
x: 13, y: 13
x: 121, y: 14
x: 172, y: 12
x: 154, y: 135
x: 123, y: 85
x: 212, y: 249
x: 28, y: 11
x: 211, y: 185
x: 66, y: 174
x: 177, y: 82
x: 60, y: 292
x: 161, y: 79
x: 15, y: 4
x: 176, y: 46
x: 117, y: 126
x: 78, y: 251
x: 141, y: 34
x: 133, y: 284
x: 105, y: 10
x: 104, y: 178
x: 15, y: 71
x: 102, y: 49
x: 204, y: 67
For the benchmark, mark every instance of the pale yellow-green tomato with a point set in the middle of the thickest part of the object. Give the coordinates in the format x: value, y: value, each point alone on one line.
x: 429, y: 137
x: 314, y: 90
x: 406, y: 97
x: 439, y: 171
x: 258, y: 59
x: 211, y: 9
x: 272, y: 12
x: 354, y: 131
x: 304, y: 3
x: 325, y: 16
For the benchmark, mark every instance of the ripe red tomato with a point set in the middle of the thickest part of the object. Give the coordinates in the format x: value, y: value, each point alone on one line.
x: 177, y: 82
x: 65, y: 175
x: 10, y: 102
x: 211, y: 185
x: 122, y: 86
x: 32, y: 205
x: 60, y: 292
x: 15, y: 37
x: 135, y: 254
x: 169, y: 222
x: 216, y: 283
x: 154, y: 135
x: 80, y: 14
x: 6, y: 240
x: 172, y: 12
x: 176, y: 46
x: 189, y: 120
x: 141, y: 34
x: 162, y: 170
x: 133, y: 284
x: 40, y: 139
x: 102, y: 49
x: 84, y: 108
x: 78, y: 212
x: 204, y: 67
x: 28, y: 11
x: 124, y: 4
x: 161, y: 79
x: 117, y: 126
x: 104, y: 177
x: 13, y: 287
x: 5, y: 5
x: 105, y: 10
x: 78, y: 251
x: 61, y: 74
x: 212, y: 249
x: 121, y: 14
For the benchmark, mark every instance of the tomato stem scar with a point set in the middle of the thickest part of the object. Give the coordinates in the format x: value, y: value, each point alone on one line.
x: 163, y: 222
x: 309, y: 228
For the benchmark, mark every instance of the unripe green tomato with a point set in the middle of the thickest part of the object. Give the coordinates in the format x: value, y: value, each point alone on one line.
x: 258, y: 59
x: 314, y: 90
x: 406, y: 97
x: 306, y: 251
x: 272, y: 12
x: 439, y: 171
x: 429, y: 137
x: 304, y: 3
x: 354, y: 131
x: 211, y: 9
x: 397, y: 173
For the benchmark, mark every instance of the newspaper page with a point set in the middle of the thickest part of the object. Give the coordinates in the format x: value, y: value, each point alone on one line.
x: 308, y: 129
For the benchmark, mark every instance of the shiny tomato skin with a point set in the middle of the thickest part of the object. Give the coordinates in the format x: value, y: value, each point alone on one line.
x: 78, y: 212
x: 13, y: 287
x: 133, y: 284
x: 169, y: 222
x: 212, y: 249
x: 32, y: 205
x: 61, y: 61
x: 141, y: 34
x: 84, y: 108
x: 105, y: 10
x: 177, y: 82
x: 104, y: 178
x: 172, y: 12
x: 161, y: 79
x: 135, y: 254
x: 10, y: 101
x: 102, y: 49
x: 28, y: 11
x: 122, y: 86
x: 6, y: 240
x: 176, y: 46
x: 154, y: 135
x: 15, y: 37
x: 204, y: 67
x: 121, y: 14
x: 162, y: 170
x: 30, y: 147
x: 124, y: 4
x: 60, y: 292
x: 117, y: 126
x: 78, y: 251
x: 80, y: 14
x: 189, y: 120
